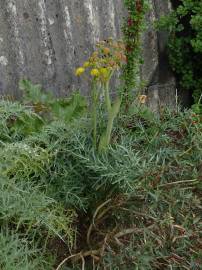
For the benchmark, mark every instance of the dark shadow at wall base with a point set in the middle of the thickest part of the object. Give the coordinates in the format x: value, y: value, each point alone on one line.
x: 185, y: 98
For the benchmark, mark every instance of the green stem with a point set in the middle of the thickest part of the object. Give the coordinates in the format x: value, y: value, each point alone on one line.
x: 94, y: 126
x: 94, y: 113
x: 109, y: 130
x: 110, y: 118
x: 112, y: 111
x: 107, y: 97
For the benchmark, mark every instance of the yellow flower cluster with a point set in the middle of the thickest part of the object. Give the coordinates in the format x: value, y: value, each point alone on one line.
x: 108, y: 57
x: 95, y: 72
x: 79, y: 71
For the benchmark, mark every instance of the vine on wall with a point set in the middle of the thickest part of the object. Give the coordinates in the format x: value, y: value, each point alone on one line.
x: 133, y: 27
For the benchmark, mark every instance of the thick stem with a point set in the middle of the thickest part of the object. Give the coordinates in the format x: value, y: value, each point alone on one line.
x: 105, y: 139
x: 107, y: 97
x: 110, y: 118
x: 94, y: 125
x: 109, y: 130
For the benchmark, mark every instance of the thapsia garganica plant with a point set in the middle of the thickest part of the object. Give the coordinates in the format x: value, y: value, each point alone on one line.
x: 104, y: 62
x: 145, y: 189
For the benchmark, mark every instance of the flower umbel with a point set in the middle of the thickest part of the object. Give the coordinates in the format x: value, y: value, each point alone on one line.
x: 104, y: 74
x: 79, y: 71
x: 86, y: 64
x: 94, y: 72
x: 108, y: 57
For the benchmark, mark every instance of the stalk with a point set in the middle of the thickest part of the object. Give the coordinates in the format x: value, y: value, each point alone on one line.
x: 107, y: 97
x: 94, y: 113
x: 109, y: 129
x: 112, y: 111
x: 110, y: 118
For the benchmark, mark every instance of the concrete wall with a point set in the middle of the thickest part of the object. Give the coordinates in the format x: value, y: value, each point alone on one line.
x: 45, y: 40
x: 161, y: 85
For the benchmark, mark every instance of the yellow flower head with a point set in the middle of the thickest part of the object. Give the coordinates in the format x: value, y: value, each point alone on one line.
x: 142, y: 99
x: 79, y: 71
x: 94, y: 72
x: 86, y: 64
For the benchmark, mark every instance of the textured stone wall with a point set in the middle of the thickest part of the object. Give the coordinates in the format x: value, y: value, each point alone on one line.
x: 44, y: 40
x: 161, y: 86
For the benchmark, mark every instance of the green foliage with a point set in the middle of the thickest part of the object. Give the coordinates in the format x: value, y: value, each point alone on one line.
x: 33, y: 94
x: 26, y: 209
x: 51, y: 108
x: 17, y: 121
x: 135, y: 206
x: 23, y: 195
x: 185, y: 44
x: 150, y: 178
x: 21, y: 161
x: 67, y: 176
x: 15, y: 254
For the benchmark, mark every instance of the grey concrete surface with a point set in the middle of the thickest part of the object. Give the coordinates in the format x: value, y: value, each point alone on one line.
x: 45, y: 40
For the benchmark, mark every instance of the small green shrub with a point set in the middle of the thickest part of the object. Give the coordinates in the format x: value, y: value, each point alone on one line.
x: 17, y: 121
x: 23, y: 194
x: 51, y: 108
x: 20, y: 161
x: 65, y: 178
x: 26, y: 209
